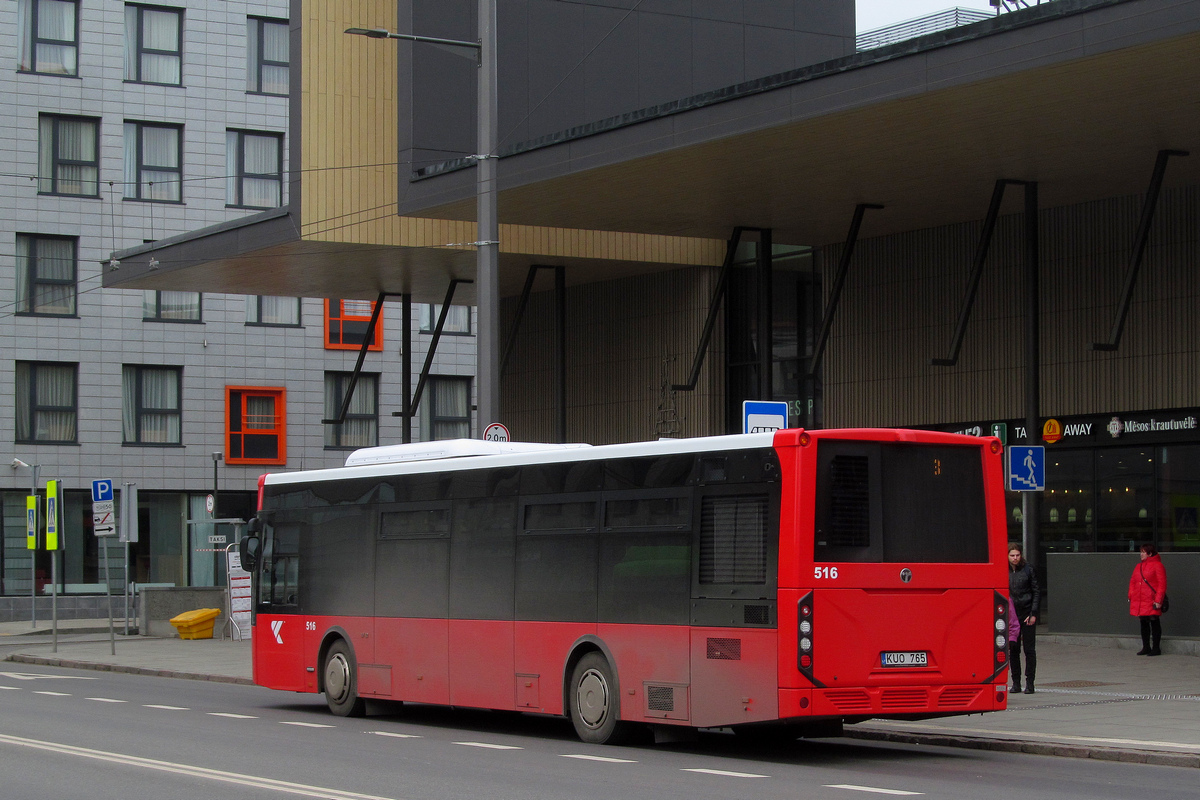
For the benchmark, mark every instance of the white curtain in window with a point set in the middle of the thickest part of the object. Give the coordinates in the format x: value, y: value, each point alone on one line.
x: 232, y: 178
x: 280, y: 310
x: 131, y: 43
x: 130, y: 176
x: 449, y: 399
x: 458, y: 319
x: 160, y: 148
x: 55, y: 262
x: 260, y: 413
x: 275, y: 48
x: 46, y: 154
x: 252, y: 54
x: 149, y: 304
x: 24, y: 244
x: 160, y: 405
x: 77, y: 142
x: 129, y: 403
x: 56, y: 387
x: 160, y: 31
x: 361, y: 426
x: 25, y: 27
x: 24, y: 419
x: 179, y: 305
x: 261, y: 158
x: 56, y: 20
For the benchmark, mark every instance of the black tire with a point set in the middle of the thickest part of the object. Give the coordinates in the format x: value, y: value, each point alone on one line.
x: 340, y: 679
x: 595, y: 706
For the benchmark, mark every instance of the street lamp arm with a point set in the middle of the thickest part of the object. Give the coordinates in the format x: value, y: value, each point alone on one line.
x: 382, y: 33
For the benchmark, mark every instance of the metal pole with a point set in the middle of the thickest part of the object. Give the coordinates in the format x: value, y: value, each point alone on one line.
x: 1032, y: 360
x: 34, y: 470
x: 488, y: 246
x: 54, y: 597
x: 406, y: 367
x: 112, y: 632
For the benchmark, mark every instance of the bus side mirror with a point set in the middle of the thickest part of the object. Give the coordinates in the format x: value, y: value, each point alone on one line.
x: 248, y: 549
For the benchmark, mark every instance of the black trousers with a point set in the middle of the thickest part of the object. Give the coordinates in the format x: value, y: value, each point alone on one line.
x: 1151, y: 632
x: 1027, y: 639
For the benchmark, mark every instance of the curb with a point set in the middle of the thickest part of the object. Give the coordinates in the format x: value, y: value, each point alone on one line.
x: 54, y: 661
x: 1154, y: 757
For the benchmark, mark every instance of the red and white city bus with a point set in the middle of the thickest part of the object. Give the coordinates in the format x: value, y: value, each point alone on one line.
x: 812, y: 578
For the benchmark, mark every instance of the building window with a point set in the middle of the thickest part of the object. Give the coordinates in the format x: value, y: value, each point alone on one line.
x: 275, y: 311
x: 267, y: 62
x: 255, y: 425
x: 159, y: 306
x: 49, y: 36
x: 346, y: 323
x: 458, y: 318
x: 68, y: 155
x: 254, y: 164
x: 448, y: 415
x: 46, y: 405
x: 361, y: 426
x: 45, y: 275
x: 153, y: 44
x: 151, y: 410
x: 153, y: 162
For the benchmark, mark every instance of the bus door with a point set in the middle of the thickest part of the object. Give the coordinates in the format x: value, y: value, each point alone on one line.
x: 279, y: 630
x: 902, y: 582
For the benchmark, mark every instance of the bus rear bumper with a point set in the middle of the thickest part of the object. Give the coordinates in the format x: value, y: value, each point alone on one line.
x: 892, y: 701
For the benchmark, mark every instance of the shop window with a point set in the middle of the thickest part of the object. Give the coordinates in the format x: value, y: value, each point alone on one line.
x: 255, y: 425
x: 346, y: 323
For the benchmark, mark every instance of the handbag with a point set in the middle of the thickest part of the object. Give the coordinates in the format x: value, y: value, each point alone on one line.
x: 1166, y: 603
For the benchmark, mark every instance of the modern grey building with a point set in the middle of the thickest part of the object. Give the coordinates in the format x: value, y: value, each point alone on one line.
x: 128, y: 123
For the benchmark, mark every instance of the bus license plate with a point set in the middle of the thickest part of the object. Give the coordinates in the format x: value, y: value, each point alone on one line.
x: 904, y: 658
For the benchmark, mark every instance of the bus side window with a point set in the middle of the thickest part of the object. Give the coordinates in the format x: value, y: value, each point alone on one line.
x: 281, y: 565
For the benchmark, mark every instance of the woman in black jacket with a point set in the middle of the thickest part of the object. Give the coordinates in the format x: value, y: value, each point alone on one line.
x: 1024, y: 592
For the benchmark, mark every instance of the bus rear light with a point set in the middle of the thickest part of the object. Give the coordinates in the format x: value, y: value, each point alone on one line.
x: 1000, y: 625
x: 806, y: 661
x: 806, y: 627
x: 804, y: 638
x: 805, y: 440
x: 1001, y: 657
x: 996, y: 447
x: 805, y: 644
x: 999, y: 641
x: 805, y: 611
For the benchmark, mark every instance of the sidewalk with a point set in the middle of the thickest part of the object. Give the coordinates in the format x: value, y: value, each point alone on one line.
x: 1091, y: 701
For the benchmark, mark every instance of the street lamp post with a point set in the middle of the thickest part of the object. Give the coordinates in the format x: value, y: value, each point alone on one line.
x: 488, y: 230
x: 34, y: 472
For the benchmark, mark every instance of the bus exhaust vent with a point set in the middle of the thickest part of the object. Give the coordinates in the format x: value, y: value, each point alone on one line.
x: 660, y: 698
x: 850, y: 523
x: 958, y: 696
x: 904, y: 698
x: 846, y: 700
x: 725, y: 649
x: 756, y: 615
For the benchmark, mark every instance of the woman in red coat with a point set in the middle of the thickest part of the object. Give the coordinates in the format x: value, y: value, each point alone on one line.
x: 1147, y: 588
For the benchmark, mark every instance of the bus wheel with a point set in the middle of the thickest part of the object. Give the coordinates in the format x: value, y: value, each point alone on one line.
x: 595, y: 705
x: 341, y: 685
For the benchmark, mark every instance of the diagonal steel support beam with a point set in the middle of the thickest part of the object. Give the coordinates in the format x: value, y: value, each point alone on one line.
x: 981, y: 251
x: 714, y: 308
x: 1139, y: 249
x: 560, y: 340
x: 423, y: 378
x: 838, y: 283
x: 362, y: 356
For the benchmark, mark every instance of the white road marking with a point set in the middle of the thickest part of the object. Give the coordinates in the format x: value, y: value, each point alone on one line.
x: 727, y: 773
x: 54, y: 694
x: 396, y: 735
x: 872, y: 789
x: 107, y: 700
x: 191, y: 770
x: 166, y: 708
x: 14, y: 688
x: 308, y: 724
x: 490, y: 746
x: 231, y: 716
x: 33, y: 676
x: 605, y: 759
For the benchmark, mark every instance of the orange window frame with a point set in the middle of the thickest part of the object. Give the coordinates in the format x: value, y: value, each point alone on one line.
x: 359, y: 316
x: 242, y: 433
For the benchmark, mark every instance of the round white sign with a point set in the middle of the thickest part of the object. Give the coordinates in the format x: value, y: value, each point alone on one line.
x: 209, y: 504
x: 495, y: 433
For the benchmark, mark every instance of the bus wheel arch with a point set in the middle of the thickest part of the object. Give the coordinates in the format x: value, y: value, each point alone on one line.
x: 592, y: 695
x: 338, y: 677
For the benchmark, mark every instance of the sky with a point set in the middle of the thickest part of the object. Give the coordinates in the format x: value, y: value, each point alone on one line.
x: 878, y: 13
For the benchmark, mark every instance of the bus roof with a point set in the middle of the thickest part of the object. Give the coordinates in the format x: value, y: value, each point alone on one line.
x: 457, y: 454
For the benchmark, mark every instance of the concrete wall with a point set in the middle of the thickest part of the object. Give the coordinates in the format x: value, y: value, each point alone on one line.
x: 158, y: 606
x: 1089, y: 593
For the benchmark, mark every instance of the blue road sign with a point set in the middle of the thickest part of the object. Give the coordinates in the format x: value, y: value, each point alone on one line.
x: 760, y: 416
x: 1027, y: 468
x: 102, y: 490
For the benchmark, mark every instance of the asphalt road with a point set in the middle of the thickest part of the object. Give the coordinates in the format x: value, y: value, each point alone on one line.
x: 71, y: 734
